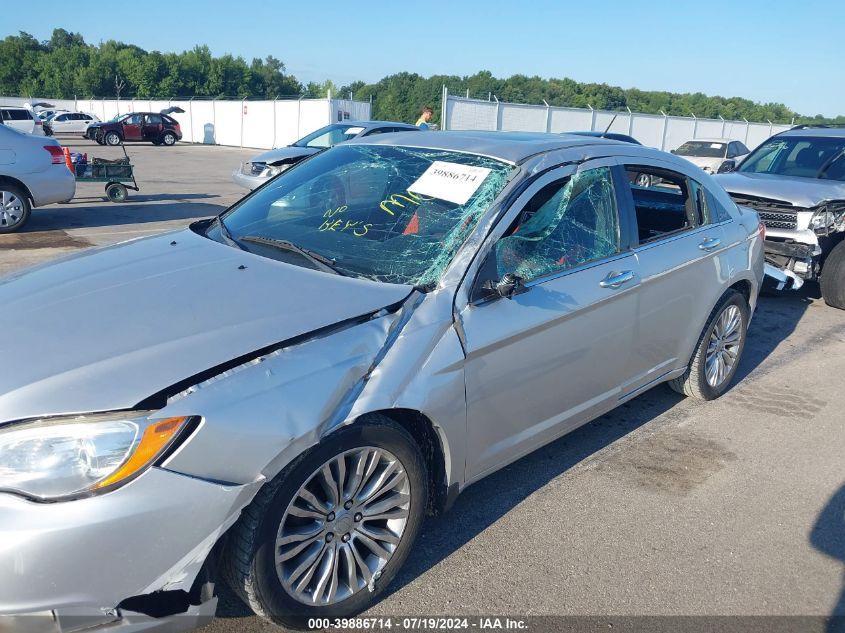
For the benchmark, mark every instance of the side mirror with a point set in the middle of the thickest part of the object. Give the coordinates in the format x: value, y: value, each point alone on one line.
x: 671, y: 151
x: 508, y: 286
x: 727, y: 167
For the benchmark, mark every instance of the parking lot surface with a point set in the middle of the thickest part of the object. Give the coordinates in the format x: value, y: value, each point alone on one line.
x: 666, y: 506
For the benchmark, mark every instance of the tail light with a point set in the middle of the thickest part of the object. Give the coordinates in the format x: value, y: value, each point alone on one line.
x: 56, y: 154
x: 38, y: 121
x: 761, y: 229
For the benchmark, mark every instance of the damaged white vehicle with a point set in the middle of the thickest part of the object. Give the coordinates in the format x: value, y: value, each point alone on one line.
x: 796, y: 183
x: 277, y: 396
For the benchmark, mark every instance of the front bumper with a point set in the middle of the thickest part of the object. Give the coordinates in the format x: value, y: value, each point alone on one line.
x: 117, y: 621
x: 247, y: 181
x: 78, y: 560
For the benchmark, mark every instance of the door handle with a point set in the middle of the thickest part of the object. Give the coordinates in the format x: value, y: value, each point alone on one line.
x: 710, y: 243
x: 615, y: 280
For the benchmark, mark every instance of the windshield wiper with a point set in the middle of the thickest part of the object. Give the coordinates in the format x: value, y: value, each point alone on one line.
x: 224, y: 231
x: 323, y: 263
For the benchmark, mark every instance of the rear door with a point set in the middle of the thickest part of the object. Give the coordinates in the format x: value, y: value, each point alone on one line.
x: 677, y: 255
x: 555, y: 355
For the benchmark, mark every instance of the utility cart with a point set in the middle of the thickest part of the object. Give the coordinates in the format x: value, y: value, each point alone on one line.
x: 118, y: 175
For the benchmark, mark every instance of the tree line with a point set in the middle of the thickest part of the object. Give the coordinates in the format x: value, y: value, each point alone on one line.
x: 65, y: 66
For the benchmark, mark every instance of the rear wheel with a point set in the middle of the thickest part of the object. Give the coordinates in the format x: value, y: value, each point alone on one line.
x: 168, y: 138
x: 325, y: 537
x: 719, y: 350
x: 112, y: 138
x: 833, y: 277
x: 14, y: 208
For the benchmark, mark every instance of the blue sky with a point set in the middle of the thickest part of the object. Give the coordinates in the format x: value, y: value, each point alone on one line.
x: 765, y: 51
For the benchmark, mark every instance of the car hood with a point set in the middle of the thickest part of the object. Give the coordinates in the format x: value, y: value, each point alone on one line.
x: 702, y: 161
x: 800, y: 192
x: 284, y: 153
x: 106, y: 329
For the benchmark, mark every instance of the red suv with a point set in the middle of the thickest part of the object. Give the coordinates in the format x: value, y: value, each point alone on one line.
x: 157, y: 128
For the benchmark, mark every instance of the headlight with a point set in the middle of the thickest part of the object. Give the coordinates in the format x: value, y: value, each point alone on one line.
x: 275, y: 170
x: 826, y: 219
x: 57, y: 458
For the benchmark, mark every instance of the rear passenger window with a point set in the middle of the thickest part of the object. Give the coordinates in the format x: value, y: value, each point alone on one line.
x: 567, y: 223
x: 663, y: 202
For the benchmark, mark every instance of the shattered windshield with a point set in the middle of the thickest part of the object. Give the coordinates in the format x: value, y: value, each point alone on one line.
x: 702, y: 149
x: 802, y: 156
x: 391, y: 214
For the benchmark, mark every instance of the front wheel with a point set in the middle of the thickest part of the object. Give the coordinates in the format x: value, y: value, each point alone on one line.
x: 833, y: 277
x: 326, y: 536
x: 719, y: 350
x: 112, y: 138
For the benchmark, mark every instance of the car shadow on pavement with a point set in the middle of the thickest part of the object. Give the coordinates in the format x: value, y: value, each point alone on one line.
x: 776, y: 317
x: 828, y: 537
x: 66, y: 217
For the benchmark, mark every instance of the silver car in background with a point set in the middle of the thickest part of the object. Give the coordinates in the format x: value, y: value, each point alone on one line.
x: 713, y: 155
x: 261, y: 168
x: 33, y: 173
x: 283, y: 392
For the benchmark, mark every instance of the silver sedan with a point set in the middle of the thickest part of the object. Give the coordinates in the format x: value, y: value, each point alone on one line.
x: 264, y: 166
x: 279, y: 395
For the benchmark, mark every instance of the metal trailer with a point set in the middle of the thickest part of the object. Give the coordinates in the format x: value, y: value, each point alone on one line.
x: 118, y: 177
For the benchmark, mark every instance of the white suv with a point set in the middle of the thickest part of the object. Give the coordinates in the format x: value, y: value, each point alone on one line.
x: 21, y: 119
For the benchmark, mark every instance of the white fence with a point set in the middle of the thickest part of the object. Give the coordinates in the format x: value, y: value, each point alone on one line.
x: 663, y: 132
x: 244, y: 123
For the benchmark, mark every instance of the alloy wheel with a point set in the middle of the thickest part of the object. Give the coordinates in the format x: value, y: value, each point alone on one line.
x: 11, y: 209
x: 724, y: 345
x: 343, y: 526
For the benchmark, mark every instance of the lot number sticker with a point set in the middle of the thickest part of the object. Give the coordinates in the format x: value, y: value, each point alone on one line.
x: 450, y: 181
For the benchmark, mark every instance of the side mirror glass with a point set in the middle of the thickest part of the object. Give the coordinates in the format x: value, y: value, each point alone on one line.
x: 727, y: 166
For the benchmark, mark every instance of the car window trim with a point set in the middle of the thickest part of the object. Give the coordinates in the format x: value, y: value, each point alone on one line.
x: 694, y: 220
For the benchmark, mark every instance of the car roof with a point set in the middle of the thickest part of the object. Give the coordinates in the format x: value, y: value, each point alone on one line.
x: 817, y: 131
x: 513, y: 147
x: 378, y: 124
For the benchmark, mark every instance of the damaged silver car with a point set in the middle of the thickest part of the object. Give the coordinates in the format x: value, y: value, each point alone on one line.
x: 277, y: 396
x: 796, y: 183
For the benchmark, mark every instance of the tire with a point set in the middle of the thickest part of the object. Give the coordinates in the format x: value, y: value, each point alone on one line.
x: 15, y: 208
x: 112, y: 138
x: 696, y: 381
x: 116, y: 192
x: 168, y: 138
x: 643, y: 180
x: 833, y: 277
x: 249, y: 562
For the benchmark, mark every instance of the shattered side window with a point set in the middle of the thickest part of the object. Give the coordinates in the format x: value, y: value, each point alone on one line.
x: 567, y: 223
x: 380, y: 212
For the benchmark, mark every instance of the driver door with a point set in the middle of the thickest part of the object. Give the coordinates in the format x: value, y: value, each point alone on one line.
x: 132, y: 128
x: 555, y: 354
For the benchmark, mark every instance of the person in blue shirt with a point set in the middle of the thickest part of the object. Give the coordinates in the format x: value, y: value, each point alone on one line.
x: 425, y: 117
